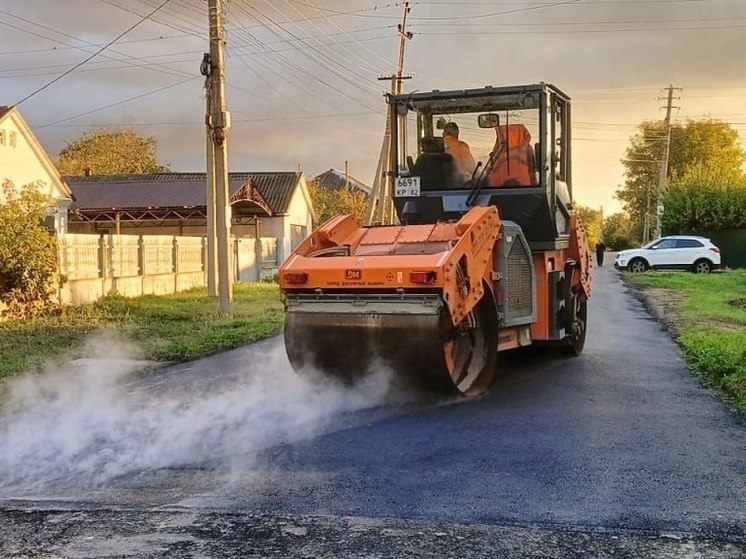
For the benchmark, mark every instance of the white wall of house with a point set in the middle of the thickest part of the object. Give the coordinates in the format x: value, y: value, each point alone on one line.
x: 23, y: 161
x: 298, y: 223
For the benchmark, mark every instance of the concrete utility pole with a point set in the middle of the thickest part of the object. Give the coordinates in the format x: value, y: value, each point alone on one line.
x: 212, y: 258
x: 381, y: 203
x: 219, y: 124
x: 663, y: 172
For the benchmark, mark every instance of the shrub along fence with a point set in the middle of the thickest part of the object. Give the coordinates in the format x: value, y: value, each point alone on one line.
x: 93, y: 266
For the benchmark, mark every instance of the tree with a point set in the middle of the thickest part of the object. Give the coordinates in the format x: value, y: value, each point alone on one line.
x: 28, y: 253
x: 618, y: 232
x: 329, y: 202
x: 110, y: 153
x: 710, y: 143
x: 593, y: 222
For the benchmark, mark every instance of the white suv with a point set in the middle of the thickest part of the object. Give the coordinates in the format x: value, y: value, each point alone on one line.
x: 675, y: 252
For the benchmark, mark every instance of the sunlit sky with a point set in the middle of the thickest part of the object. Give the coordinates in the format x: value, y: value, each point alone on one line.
x: 302, y: 74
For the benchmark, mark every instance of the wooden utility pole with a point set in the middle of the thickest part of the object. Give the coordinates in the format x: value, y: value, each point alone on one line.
x: 219, y: 124
x: 381, y: 204
x: 663, y: 171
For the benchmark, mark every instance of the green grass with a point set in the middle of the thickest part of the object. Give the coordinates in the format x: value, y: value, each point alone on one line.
x: 711, y: 323
x: 176, y: 327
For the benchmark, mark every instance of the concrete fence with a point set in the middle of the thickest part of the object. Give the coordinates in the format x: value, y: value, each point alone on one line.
x: 131, y: 265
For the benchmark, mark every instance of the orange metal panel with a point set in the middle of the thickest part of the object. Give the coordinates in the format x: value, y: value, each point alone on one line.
x: 415, y: 233
x: 443, y: 232
x: 381, y: 235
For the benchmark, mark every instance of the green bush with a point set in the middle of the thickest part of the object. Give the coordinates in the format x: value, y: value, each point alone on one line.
x: 28, y: 254
x: 705, y: 200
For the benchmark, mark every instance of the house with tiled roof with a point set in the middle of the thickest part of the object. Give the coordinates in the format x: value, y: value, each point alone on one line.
x: 24, y: 162
x: 334, y: 179
x: 265, y: 204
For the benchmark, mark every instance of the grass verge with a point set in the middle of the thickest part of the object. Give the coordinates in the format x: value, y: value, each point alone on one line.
x: 176, y: 327
x: 710, y: 324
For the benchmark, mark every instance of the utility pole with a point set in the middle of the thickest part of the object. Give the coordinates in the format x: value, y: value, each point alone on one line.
x: 347, y: 175
x: 381, y: 203
x: 218, y: 123
x: 212, y: 258
x: 663, y: 172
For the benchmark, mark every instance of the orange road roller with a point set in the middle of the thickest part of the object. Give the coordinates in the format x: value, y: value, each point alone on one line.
x: 488, y: 254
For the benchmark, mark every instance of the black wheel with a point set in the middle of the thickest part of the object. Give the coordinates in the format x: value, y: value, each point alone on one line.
x: 575, y: 340
x: 637, y: 266
x: 702, y: 266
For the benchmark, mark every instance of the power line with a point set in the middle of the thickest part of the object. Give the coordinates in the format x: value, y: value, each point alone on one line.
x: 67, y: 47
x: 574, y: 31
x: 201, y: 123
x: 493, y: 14
x: 85, y: 49
x: 99, y: 51
x: 254, y: 40
x: 117, y: 103
x: 592, y: 22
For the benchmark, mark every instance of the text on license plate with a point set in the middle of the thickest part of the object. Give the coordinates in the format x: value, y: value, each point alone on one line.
x: 406, y: 186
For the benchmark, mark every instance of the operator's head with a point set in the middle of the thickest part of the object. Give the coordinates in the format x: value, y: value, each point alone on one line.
x: 450, y: 129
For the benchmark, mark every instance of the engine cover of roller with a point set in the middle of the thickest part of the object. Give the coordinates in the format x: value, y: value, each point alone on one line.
x: 415, y: 298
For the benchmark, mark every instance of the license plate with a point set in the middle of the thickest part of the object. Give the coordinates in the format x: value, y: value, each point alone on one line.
x: 406, y: 186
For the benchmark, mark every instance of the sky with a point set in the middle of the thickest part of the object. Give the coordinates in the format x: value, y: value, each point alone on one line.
x: 303, y: 85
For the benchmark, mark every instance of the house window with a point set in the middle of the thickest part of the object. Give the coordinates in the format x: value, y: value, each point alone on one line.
x: 2, y: 137
x: 298, y: 234
x: 12, y: 139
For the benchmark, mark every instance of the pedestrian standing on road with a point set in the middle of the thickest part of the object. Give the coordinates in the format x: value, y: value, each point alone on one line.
x: 600, y: 249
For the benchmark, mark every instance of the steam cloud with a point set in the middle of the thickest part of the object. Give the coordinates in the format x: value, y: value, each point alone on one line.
x: 92, y: 420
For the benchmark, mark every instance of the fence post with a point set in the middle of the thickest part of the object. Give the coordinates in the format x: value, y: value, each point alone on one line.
x: 175, y: 255
x: 258, y: 258
x: 141, y: 255
x: 103, y: 257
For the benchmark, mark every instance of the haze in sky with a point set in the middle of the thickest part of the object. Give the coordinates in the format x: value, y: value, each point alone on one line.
x: 302, y: 74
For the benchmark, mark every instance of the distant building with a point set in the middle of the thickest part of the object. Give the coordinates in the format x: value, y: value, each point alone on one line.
x: 23, y: 161
x: 335, y: 180
x: 272, y: 204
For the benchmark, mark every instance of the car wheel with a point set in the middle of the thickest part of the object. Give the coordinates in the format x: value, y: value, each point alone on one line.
x: 637, y: 266
x: 702, y: 267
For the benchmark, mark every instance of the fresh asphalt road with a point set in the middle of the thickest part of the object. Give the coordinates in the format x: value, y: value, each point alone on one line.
x: 617, y: 453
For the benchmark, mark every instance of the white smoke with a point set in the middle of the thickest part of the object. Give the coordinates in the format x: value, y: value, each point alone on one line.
x: 93, y: 419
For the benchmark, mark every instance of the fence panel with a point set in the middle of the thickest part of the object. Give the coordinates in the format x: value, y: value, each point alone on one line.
x: 157, y: 254
x: 124, y: 255
x: 189, y: 252
x: 80, y: 256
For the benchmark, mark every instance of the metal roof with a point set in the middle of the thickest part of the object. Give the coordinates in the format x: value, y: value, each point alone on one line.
x: 175, y: 190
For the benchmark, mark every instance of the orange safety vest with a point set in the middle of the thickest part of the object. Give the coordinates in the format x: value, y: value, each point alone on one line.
x: 462, y: 156
x: 514, y: 157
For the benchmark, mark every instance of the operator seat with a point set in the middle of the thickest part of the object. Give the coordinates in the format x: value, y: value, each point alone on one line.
x: 515, y: 161
x: 435, y: 168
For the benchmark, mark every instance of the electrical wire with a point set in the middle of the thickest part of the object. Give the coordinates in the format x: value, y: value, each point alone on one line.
x: 118, y: 103
x: 99, y: 51
x: 85, y: 49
